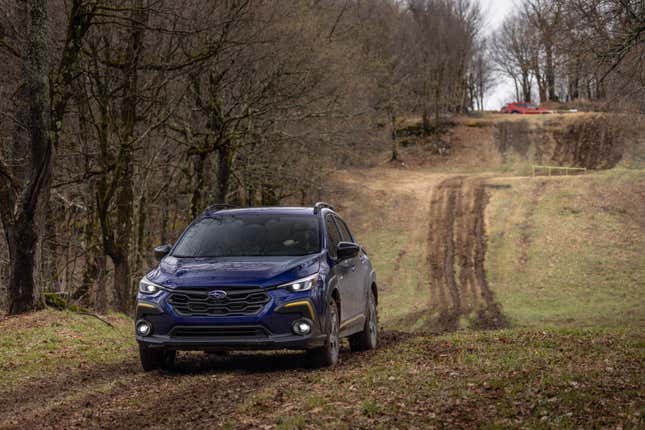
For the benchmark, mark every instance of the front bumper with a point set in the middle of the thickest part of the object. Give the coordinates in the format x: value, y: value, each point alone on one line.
x: 233, y: 343
x: 268, y: 330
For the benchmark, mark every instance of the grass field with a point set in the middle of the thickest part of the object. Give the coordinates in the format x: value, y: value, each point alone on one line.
x: 53, y: 341
x: 568, y: 251
x: 564, y: 261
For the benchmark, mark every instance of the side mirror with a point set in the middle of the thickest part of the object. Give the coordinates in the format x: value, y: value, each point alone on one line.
x: 161, y: 251
x: 345, y: 250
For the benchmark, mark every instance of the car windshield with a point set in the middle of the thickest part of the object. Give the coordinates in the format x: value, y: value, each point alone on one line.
x: 251, y: 235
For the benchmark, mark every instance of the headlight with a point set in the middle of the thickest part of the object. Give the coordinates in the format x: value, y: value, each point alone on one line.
x: 147, y: 287
x: 304, y: 284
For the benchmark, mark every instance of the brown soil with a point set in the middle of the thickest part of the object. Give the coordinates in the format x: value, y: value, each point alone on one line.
x: 592, y: 142
x: 457, y: 242
x: 205, y: 391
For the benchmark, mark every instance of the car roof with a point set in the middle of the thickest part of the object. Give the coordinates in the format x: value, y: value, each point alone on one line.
x: 281, y: 210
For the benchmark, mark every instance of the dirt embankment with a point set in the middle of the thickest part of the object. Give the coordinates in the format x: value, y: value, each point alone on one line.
x: 488, y: 142
x: 457, y: 242
x: 590, y: 141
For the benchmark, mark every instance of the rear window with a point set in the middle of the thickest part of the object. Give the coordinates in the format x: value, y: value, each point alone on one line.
x: 251, y: 235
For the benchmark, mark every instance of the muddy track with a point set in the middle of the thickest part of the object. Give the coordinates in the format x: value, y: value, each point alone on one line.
x: 457, y: 240
x: 203, y: 392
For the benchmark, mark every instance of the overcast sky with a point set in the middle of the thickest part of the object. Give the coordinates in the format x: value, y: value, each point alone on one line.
x: 494, y: 12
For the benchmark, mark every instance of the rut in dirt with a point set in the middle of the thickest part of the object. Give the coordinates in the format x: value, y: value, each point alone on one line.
x: 205, y: 391
x: 457, y: 241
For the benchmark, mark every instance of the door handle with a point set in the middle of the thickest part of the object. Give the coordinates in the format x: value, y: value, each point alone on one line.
x: 354, y: 268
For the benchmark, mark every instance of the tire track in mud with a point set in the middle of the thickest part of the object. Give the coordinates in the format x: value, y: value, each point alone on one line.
x: 203, y: 392
x: 457, y: 241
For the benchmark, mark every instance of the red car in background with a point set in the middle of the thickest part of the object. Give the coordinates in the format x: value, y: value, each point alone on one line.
x: 523, y: 108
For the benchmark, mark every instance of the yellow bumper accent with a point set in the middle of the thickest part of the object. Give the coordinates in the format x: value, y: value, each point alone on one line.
x: 303, y: 302
x: 146, y: 305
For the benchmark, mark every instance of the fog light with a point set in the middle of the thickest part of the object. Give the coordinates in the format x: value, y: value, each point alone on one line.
x: 302, y: 327
x: 143, y: 328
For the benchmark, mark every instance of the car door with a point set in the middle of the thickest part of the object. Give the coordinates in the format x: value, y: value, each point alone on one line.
x: 356, y: 276
x: 338, y: 269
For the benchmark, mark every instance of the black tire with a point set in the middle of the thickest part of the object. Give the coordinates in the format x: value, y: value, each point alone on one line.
x: 152, y: 359
x: 168, y: 360
x: 327, y: 356
x: 368, y: 338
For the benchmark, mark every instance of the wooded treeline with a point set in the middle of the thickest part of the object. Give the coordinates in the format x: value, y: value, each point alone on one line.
x: 121, y: 120
x: 571, y: 50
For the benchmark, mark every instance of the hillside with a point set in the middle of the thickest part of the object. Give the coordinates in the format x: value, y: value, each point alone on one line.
x: 505, y: 301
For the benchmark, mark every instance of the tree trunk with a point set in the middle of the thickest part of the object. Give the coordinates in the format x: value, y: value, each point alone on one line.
x: 224, y: 170
x: 163, y: 235
x: 141, y: 231
x: 437, y: 95
x: 24, y: 195
x: 101, y: 298
x: 395, y: 143
x: 124, y: 293
x: 517, y: 90
x: 550, y: 72
x: 425, y: 120
x: 198, y: 184
x: 526, y: 87
x: 24, y: 296
x: 120, y: 247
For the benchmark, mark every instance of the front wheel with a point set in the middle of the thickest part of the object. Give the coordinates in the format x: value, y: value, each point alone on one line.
x: 152, y: 359
x: 328, y: 354
x: 368, y: 338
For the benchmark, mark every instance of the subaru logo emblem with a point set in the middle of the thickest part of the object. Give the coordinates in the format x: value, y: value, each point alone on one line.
x: 217, y: 294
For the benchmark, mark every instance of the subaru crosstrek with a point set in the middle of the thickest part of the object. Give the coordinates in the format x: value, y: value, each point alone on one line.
x: 258, y: 278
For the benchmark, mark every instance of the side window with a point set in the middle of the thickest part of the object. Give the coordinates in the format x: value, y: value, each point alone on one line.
x: 333, y: 237
x: 344, y: 231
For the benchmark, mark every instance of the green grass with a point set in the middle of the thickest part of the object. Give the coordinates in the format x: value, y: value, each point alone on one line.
x: 509, y: 378
x: 400, y: 280
x: 583, y: 244
x: 565, y: 261
x: 52, y: 340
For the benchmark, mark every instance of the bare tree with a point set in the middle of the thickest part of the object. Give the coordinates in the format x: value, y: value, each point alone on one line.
x: 39, y: 110
x: 515, y: 55
x: 545, y: 17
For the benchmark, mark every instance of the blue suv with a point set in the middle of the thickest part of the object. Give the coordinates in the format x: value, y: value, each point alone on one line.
x: 258, y: 278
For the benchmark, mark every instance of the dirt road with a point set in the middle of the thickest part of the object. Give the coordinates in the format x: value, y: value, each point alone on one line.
x: 457, y: 242
x: 427, y: 233
x: 438, y: 226
x: 206, y: 391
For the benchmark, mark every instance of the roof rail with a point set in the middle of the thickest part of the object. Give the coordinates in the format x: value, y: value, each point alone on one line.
x: 219, y: 206
x: 320, y: 205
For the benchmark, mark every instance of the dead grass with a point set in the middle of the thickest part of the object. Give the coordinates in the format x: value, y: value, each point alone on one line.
x: 568, y: 251
x: 564, y: 258
x: 51, y: 341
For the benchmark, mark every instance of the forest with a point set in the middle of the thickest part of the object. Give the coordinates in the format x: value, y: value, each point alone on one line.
x: 122, y: 120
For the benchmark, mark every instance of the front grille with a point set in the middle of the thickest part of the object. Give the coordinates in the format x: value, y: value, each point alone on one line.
x: 221, y: 331
x: 236, y: 302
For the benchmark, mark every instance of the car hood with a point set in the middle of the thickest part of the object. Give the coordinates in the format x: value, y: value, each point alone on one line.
x: 208, y: 272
